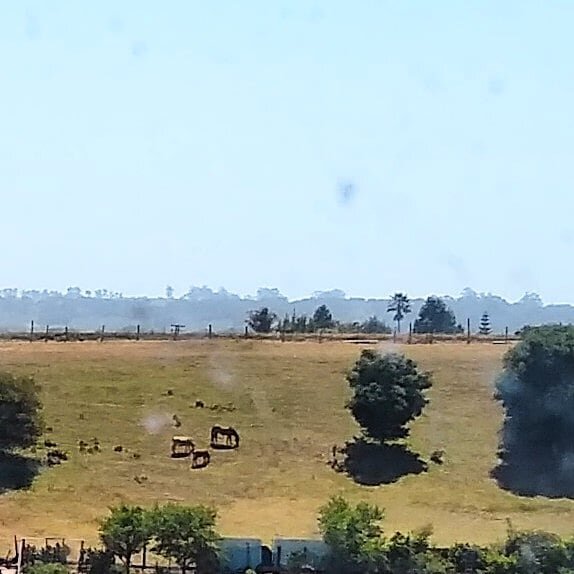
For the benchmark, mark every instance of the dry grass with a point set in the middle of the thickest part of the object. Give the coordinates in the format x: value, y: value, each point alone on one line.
x: 289, y: 399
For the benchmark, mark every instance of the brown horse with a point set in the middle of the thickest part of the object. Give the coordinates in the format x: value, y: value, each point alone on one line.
x: 230, y: 434
x: 181, y: 446
x: 200, y: 458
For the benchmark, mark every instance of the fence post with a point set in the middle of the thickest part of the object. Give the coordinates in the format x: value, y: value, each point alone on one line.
x: 209, y: 331
x: 506, y: 335
x: 410, y: 333
x: 102, y: 333
x: 47, y: 331
x: 468, y: 331
x: 395, y: 336
x: 31, y: 330
x: 20, y: 556
x: 138, y: 333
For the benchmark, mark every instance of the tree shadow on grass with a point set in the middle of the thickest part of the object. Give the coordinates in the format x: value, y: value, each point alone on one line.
x: 371, y: 464
x: 17, y: 472
x: 534, y: 476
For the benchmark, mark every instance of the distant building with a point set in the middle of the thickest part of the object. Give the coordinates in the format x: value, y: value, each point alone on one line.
x: 311, y: 552
x: 238, y: 554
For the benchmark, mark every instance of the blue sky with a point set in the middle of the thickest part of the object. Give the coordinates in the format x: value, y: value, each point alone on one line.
x: 188, y: 143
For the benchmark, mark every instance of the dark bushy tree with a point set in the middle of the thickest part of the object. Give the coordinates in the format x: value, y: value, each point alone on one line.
x: 20, y: 412
x: 435, y: 317
x: 400, y: 306
x: 537, y: 392
x: 322, y: 318
x: 261, y: 320
x: 388, y: 393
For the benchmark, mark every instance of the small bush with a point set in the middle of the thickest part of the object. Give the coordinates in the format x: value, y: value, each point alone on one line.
x: 41, y: 568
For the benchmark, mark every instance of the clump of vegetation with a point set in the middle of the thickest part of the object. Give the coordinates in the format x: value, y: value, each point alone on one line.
x: 358, y: 545
x: 125, y: 532
x: 46, y: 568
x: 261, y: 320
x: 20, y: 412
x: 184, y: 534
x: 400, y: 305
x: 537, y: 392
x: 388, y: 393
x: 484, y: 327
x: 436, y: 317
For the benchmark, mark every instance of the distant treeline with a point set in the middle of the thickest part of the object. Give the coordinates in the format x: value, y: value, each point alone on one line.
x: 90, y: 310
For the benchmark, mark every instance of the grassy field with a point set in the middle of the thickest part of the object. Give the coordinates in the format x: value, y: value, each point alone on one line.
x: 289, y: 411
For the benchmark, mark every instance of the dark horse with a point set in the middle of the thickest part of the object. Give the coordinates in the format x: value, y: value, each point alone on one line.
x: 200, y: 458
x: 230, y: 434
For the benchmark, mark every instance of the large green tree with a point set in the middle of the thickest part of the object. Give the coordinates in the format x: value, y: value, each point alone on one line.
x: 388, y: 393
x: 20, y: 412
x: 400, y: 306
x: 353, y: 534
x: 322, y: 318
x: 125, y: 532
x: 536, y: 389
x: 186, y: 534
x: 435, y: 317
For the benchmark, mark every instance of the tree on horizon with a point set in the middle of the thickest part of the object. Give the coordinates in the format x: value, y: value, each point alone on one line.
x: 401, y: 306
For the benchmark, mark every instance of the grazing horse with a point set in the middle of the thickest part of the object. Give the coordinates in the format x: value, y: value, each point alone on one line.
x: 230, y: 434
x: 200, y: 459
x: 184, y: 443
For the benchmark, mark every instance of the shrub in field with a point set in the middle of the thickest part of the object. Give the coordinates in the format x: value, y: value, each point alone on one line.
x: 388, y: 393
x: 46, y: 568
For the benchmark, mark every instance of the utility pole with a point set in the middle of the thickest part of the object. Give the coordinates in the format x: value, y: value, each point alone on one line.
x: 176, y: 329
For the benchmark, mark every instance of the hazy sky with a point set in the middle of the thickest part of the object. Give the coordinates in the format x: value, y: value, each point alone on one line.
x: 305, y: 145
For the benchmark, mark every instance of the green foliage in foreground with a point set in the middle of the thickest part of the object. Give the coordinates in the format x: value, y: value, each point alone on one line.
x: 356, y: 541
x: 358, y: 545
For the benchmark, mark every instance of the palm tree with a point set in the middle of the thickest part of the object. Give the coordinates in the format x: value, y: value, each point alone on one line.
x: 400, y: 305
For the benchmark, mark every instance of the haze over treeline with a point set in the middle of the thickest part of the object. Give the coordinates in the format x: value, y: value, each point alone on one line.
x: 200, y: 306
